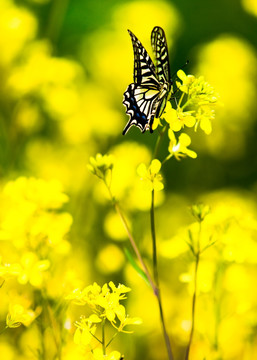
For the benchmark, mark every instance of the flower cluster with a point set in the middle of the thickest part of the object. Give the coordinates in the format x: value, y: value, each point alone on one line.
x: 29, y: 217
x: 32, y: 233
x: 105, y: 303
x: 193, y: 108
x: 100, y: 165
x: 200, y: 211
x: 18, y: 315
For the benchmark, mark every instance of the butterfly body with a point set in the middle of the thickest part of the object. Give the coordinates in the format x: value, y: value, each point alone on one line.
x: 146, y: 98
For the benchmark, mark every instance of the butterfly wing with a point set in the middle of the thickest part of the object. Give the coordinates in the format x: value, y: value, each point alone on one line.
x: 140, y: 102
x: 162, y: 67
x: 141, y: 97
x: 160, y: 49
x: 144, y: 69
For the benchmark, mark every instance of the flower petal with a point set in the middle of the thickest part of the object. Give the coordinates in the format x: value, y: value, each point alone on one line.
x: 155, y: 166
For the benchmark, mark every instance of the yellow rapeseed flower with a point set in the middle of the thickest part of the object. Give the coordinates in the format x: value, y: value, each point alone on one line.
x: 151, y: 177
x: 187, y: 80
x: 200, y: 211
x: 128, y: 321
x: 32, y: 269
x: 109, y: 300
x: 179, y: 148
x: 201, y: 91
x: 198, y: 89
x: 100, y: 165
x: 18, y: 315
x: 98, y: 355
x: 29, y: 217
x: 177, y: 118
x: 86, y: 296
x: 10, y: 270
x: 204, y: 116
x: 85, y: 330
x: 42, y: 194
x: 105, y: 303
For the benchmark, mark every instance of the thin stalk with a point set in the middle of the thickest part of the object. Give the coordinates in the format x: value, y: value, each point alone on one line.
x: 156, y: 279
x: 132, y: 241
x: 180, y: 100
x: 42, y: 353
x: 95, y: 337
x: 56, y: 18
x: 110, y: 341
x: 193, y: 308
x: 167, y: 158
x: 3, y: 330
x: 159, y: 140
x: 55, y: 330
x: 197, y: 258
x: 103, y: 338
x: 217, y: 300
x: 135, y: 248
x: 155, y: 267
x: 52, y: 320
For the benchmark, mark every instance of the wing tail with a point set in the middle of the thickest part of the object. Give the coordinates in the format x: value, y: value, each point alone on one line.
x: 136, y: 117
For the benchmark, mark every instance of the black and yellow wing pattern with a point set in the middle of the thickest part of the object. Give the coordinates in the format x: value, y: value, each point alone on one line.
x: 146, y: 98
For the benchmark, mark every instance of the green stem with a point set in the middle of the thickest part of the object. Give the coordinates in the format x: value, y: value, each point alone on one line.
x: 3, y: 330
x: 217, y: 300
x: 103, y: 338
x: 135, y: 248
x: 156, y: 279
x: 167, y: 158
x: 95, y: 337
x: 56, y: 326
x: 110, y: 341
x: 159, y: 140
x: 180, y: 100
x: 155, y: 267
x: 197, y: 258
x: 131, y: 239
x: 56, y: 19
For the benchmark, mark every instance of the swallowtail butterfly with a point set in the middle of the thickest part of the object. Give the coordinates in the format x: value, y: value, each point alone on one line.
x: 146, y: 98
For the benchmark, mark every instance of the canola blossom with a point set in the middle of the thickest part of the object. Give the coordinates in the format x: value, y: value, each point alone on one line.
x: 100, y: 165
x: 105, y: 303
x: 151, y: 177
x: 18, y: 315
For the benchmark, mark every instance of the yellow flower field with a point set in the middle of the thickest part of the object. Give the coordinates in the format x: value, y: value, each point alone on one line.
x: 142, y: 246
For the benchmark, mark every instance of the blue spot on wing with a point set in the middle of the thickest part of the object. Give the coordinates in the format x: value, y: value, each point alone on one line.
x: 137, y: 118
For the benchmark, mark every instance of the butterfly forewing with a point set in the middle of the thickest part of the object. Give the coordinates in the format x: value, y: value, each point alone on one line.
x: 144, y: 69
x: 160, y: 50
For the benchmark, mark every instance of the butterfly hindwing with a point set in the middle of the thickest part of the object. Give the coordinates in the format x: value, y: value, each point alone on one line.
x: 136, y: 117
x: 139, y: 101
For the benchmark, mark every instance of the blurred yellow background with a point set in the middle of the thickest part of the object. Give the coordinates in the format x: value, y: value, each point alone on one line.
x: 64, y: 66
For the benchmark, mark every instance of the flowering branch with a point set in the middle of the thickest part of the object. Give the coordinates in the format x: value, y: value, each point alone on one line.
x: 101, y: 166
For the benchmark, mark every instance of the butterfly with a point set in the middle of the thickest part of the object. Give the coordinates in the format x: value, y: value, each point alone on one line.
x: 146, y: 98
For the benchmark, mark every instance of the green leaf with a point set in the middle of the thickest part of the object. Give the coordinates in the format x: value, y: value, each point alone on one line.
x: 190, y: 247
x: 132, y: 261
